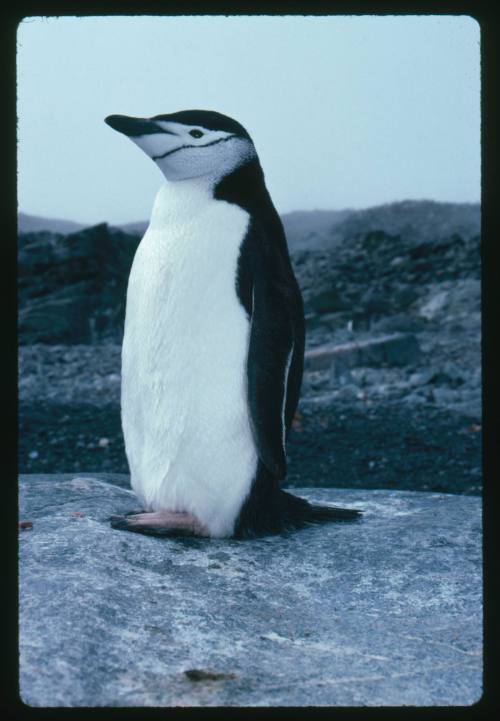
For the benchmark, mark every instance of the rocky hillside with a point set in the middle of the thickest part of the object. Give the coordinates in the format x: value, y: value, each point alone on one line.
x: 353, y: 266
x: 375, y: 274
x: 416, y: 220
x: 35, y: 224
x: 311, y: 229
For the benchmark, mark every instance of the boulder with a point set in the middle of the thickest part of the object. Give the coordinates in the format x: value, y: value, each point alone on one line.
x: 327, y: 301
x: 400, y: 322
x: 443, y: 299
x: 72, y: 288
x: 433, y: 306
x: 375, y: 302
x: 385, y: 611
x: 403, y: 297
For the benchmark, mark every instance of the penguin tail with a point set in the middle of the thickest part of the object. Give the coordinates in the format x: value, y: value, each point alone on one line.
x: 297, y: 512
x: 271, y: 510
x: 324, y: 514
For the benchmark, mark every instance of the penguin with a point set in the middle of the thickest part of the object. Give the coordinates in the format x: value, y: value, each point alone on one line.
x: 213, y: 346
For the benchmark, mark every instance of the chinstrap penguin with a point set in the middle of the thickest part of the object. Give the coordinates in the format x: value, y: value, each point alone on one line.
x: 213, y: 347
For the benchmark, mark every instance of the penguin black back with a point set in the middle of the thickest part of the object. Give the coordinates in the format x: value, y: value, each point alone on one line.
x: 264, y: 263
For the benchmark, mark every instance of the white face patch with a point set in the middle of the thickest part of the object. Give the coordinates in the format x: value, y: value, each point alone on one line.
x: 181, y: 155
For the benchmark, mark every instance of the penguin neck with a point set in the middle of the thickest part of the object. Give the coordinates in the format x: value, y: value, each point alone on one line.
x: 244, y: 186
x: 180, y: 201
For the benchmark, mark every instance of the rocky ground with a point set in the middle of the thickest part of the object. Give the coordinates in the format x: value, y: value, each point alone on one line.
x: 408, y: 421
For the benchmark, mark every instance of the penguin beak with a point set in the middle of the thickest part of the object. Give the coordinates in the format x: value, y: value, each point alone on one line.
x: 133, y: 127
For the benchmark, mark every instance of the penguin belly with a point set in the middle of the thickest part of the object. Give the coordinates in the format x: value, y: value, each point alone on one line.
x: 185, y: 415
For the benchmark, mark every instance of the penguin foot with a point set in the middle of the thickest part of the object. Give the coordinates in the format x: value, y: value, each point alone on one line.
x: 160, y: 523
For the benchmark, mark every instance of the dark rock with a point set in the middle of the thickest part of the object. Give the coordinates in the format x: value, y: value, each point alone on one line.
x: 327, y: 301
x: 72, y: 288
x: 450, y: 374
x: 314, y: 381
x: 56, y: 320
x: 374, y: 239
x: 400, y: 322
x: 375, y: 302
x: 422, y: 377
x: 404, y: 297
x: 348, y: 391
x: 331, y: 322
x: 422, y: 250
x: 422, y: 266
x: 360, y: 321
x: 382, y: 612
x: 399, y: 350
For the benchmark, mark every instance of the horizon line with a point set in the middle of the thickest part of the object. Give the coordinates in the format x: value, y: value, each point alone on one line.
x: 88, y: 223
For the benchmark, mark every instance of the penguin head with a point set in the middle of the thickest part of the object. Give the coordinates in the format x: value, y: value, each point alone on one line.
x: 190, y: 143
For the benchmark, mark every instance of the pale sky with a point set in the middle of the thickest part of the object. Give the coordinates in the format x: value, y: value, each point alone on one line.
x: 345, y: 111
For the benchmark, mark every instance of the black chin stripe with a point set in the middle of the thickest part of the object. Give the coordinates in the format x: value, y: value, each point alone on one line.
x: 182, y: 147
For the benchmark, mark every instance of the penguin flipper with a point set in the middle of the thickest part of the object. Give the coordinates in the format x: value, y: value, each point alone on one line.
x: 270, y: 355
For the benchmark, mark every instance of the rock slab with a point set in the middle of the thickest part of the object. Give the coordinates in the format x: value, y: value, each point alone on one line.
x: 384, y: 611
x: 396, y: 349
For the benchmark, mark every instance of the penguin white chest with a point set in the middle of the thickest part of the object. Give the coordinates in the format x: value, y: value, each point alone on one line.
x: 184, y: 406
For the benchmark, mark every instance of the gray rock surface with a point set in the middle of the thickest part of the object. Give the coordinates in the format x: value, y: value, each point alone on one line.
x: 384, y: 611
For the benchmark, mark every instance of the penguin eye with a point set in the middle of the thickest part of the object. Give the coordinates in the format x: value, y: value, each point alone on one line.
x: 195, y: 133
